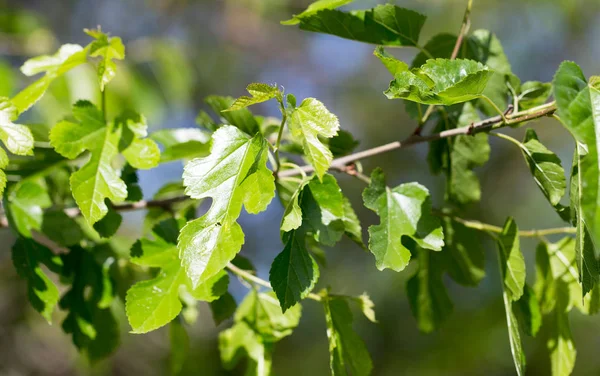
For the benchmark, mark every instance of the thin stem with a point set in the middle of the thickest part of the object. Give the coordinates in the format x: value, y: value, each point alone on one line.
x: 424, y: 51
x: 259, y: 281
x: 485, y: 125
x: 507, y: 138
x: 498, y: 110
x: 464, y: 29
x: 476, y: 225
x: 296, y: 167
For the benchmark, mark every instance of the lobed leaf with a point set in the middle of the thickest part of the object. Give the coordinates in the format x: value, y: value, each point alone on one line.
x: 66, y: 58
x: 260, y: 93
x: 17, y: 138
x: 403, y: 211
x: 307, y: 123
x: 441, y: 82
x: 233, y: 175
x: 108, y: 49
x: 153, y: 303
x: 97, y: 181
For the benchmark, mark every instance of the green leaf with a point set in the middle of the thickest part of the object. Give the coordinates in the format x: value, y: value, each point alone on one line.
x: 154, y: 303
x: 393, y: 65
x: 347, y: 352
x: 294, y: 271
x: 463, y: 253
x: 534, y: 93
x: 481, y: 46
x: 89, y: 319
x: 258, y: 325
x: 484, y: 47
x: 512, y: 262
x: 17, y: 138
x: 307, y: 123
x: 292, y: 217
x: 383, y: 25
x: 97, y: 181
x: 60, y: 228
x: 318, y: 209
x: 182, y: 143
x: 180, y: 346
x: 458, y: 156
x: 428, y: 297
x: 223, y: 308
x: 108, y: 226
x: 439, y: 46
x: 403, y: 211
x: 514, y: 335
x: 545, y: 167
x: 466, y: 153
x: 578, y: 101
x: 26, y: 203
x: 242, y: 118
x: 28, y: 257
x: 558, y: 290
x: 68, y: 57
x: 234, y: 175
x: 587, y: 261
x: 130, y: 177
x: 530, y: 311
x: 512, y: 267
x: 260, y: 93
x: 352, y: 225
x: 241, y: 341
x: 343, y: 143
x: 560, y: 341
x: 108, y: 49
x: 314, y: 8
x: 366, y: 306
x: 441, y: 82
x: 263, y: 314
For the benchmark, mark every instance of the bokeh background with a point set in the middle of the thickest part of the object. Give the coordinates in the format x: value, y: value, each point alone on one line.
x: 179, y: 51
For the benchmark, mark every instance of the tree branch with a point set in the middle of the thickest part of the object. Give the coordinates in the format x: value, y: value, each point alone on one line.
x: 340, y: 164
x: 493, y: 123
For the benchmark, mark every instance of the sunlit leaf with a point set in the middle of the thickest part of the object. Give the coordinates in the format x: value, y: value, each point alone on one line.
x: 314, y: 8
x: 441, y: 82
x: 308, y: 122
x: 403, y: 211
x: 66, y: 58
x: 347, y: 352
x: 153, y: 303
x: 383, y: 25
x: 259, y: 93
x: 108, y: 49
x: 233, y: 175
x: 97, y: 180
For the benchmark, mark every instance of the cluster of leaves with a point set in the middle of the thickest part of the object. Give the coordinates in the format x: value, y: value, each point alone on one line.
x: 235, y: 161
